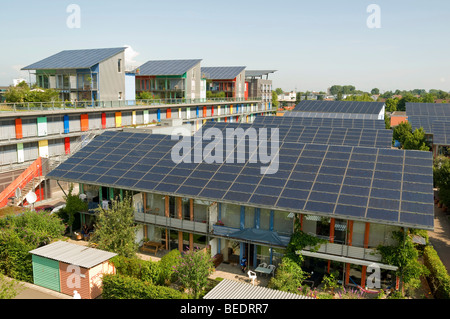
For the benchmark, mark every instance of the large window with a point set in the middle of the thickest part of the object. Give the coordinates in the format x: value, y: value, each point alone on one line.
x: 155, y: 204
x: 283, y: 223
x: 231, y: 215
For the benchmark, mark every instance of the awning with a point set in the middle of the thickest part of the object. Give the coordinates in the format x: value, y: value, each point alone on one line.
x: 345, y: 259
x: 259, y: 235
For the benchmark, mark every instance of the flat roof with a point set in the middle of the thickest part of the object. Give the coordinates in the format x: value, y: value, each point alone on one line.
x: 387, y: 186
x: 73, y: 254
x: 231, y: 289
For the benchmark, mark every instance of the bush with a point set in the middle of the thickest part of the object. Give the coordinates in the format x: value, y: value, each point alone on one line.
x: 21, y: 233
x: 438, y: 278
x: 123, y: 287
x: 289, y: 276
x: 140, y: 269
x: 167, y: 265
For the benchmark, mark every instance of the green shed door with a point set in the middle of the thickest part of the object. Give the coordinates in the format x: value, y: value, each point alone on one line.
x: 46, y: 273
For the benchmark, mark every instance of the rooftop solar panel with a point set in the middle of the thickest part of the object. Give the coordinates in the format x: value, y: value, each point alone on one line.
x: 349, y: 107
x: 355, y: 194
x: 75, y: 59
x: 222, y: 73
x: 318, y: 135
x: 332, y: 115
x: 307, y: 121
x: 441, y: 132
x: 167, y: 67
x: 428, y: 109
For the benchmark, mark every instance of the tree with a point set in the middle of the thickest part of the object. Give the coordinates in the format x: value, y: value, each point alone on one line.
x: 416, y: 141
x: 401, y: 132
x: 23, y: 93
x: 407, y: 98
x: 193, y: 270
x: 375, y: 91
x: 391, y: 105
x: 339, y: 96
x: 279, y: 91
x: 404, y: 255
x: 428, y: 98
x: 115, y: 230
x: 74, y: 205
x: 289, y: 276
x: 275, y: 102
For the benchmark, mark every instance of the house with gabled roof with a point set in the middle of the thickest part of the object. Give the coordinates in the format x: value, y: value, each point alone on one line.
x: 227, y: 79
x: 170, y: 79
x: 92, y: 74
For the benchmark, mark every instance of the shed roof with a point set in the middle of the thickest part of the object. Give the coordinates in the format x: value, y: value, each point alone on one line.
x: 73, y: 254
x: 75, y: 59
x: 231, y: 289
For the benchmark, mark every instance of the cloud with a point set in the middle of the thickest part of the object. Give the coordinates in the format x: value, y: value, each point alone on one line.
x: 130, y: 58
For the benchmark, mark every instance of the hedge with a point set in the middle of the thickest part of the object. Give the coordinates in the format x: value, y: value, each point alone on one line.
x: 439, y: 278
x: 124, y: 287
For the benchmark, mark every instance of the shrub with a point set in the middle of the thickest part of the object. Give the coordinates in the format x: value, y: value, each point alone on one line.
x: 137, y: 268
x: 289, y: 276
x: 123, y: 287
x: 167, y: 263
x: 193, y: 270
x: 438, y: 277
x: 21, y: 233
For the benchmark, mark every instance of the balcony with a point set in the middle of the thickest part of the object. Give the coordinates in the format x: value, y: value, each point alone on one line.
x: 173, y: 223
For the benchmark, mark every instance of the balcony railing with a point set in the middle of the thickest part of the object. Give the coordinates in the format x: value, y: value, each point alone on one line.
x: 60, y: 105
x: 341, y: 250
x: 173, y: 223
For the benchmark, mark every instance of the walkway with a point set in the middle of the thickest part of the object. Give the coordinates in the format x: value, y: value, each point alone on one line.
x: 440, y: 237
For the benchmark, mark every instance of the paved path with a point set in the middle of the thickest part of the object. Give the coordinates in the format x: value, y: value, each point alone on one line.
x: 440, y: 237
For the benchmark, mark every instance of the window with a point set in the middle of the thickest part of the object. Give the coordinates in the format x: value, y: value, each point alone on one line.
x: 119, y: 65
x: 120, y: 95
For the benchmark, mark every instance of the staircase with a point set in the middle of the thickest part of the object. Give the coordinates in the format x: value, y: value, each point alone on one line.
x: 33, y: 176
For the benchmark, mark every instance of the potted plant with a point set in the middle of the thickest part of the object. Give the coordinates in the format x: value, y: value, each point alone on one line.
x: 220, y: 223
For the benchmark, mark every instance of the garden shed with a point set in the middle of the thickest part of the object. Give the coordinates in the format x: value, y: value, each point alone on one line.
x: 65, y: 267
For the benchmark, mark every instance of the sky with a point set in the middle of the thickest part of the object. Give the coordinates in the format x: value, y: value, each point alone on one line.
x: 312, y: 44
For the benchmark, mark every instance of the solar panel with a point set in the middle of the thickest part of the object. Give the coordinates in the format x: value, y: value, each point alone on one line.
x: 342, y: 107
x: 310, y: 183
x: 75, y: 59
x: 222, y: 73
x: 310, y: 134
x: 441, y: 132
x: 167, y: 67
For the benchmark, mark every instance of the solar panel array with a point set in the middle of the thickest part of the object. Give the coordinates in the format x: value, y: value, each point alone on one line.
x: 351, y: 107
x: 441, y: 132
x: 316, y: 134
x: 327, y: 122
x: 428, y: 109
x: 332, y: 115
x: 359, y: 183
x: 167, y: 67
x: 222, y: 72
x: 433, y: 118
x: 75, y: 59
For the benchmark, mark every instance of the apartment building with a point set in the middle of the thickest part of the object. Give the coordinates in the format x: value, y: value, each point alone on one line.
x: 259, y: 84
x: 352, y: 196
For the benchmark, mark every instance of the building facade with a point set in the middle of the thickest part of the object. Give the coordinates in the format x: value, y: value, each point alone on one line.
x: 170, y: 79
x: 84, y: 75
x: 229, y: 81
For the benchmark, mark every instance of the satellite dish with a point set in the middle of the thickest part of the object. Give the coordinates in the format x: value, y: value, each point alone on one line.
x: 31, y: 198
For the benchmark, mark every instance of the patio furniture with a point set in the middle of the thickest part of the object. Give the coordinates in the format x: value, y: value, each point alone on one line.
x: 252, y: 276
x: 152, y: 247
x: 272, y: 269
x: 262, y: 265
x: 263, y: 270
